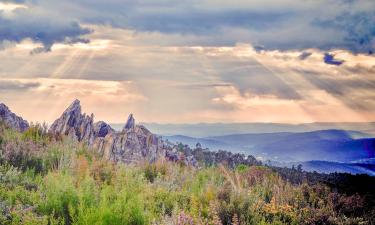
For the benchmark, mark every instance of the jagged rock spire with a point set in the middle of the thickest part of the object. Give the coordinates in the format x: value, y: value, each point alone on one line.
x: 12, y: 120
x: 130, y: 123
x: 75, y: 124
x: 74, y: 106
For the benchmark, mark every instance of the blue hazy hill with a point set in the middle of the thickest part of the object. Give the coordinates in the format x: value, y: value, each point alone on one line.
x: 322, y: 150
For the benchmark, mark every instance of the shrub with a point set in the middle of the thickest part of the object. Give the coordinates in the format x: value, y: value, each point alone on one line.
x: 44, y: 180
x: 153, y: 170
x: 61, y: 196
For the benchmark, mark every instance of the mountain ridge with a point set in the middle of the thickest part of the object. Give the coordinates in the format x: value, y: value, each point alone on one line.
x: 286, y: 146
x: 220, y: 129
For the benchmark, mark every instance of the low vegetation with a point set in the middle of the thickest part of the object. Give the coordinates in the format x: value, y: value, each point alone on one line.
x: 46, y: 179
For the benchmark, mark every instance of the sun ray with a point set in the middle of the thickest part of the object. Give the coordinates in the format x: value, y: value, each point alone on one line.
x: 66, y: 64
x: 83, y: 67
x: 300, y: 84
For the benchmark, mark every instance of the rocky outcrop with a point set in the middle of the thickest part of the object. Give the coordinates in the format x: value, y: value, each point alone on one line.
x: 101, y: 129
x: 12, y: 120
x: 134, y: 143
x: 131, y: 145
x: 75, y: 124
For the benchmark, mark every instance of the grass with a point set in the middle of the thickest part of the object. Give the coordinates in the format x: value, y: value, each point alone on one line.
x: 62, y: 182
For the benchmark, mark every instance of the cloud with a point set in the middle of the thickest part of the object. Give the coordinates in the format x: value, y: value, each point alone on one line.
x: 329, y: 59
x: 304, y: 55
x: 41, y: 27
x: 283, y: 25
x: 13, y: 1
x: 12, y: 85
x: 359, y: 28
x: 194, y: 83
x: 51, y: 96
x: 272, y: 24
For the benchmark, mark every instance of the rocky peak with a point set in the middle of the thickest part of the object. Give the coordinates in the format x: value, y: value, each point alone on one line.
x: 75, y: 124
x: 12, y: 120
x: 75, y: 106
x: 130, y: 123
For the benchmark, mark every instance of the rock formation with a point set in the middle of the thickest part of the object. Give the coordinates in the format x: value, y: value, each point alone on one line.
x: 12, y: 120
x: 133, y: 144
x: 75, y: 124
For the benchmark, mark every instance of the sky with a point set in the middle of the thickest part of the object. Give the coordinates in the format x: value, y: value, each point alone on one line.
x: 190, y: 61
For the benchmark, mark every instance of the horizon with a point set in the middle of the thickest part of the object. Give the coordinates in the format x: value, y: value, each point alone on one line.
x: 182, y: 123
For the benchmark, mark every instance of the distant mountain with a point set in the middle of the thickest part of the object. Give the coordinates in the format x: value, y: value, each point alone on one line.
x: 220, y: 129
x: 329, y: 167
x: 327, y: 145
x: 205, y: 142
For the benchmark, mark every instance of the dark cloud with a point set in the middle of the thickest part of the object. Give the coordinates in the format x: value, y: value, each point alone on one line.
x: 338, y: 24
x: 330, y: 59
x: 41, y: 28
x: 17, y: 86
x: 203, y: 22
x: 13, y: 1
x: 359, y: 29
x: 344, y: 24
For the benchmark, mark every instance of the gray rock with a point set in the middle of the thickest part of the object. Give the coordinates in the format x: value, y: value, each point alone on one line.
x: 131, y: 146
x: 75, y: 124
x: 12, y: 120
x: 130, y: 123
x: 101, y: 129
x: 134, y: 144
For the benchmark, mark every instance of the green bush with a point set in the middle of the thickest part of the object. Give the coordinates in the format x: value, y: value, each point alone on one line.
x: 48, y: 181
x: 61, y: 198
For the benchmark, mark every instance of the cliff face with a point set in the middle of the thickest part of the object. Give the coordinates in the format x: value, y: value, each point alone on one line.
x: 12, y: 120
